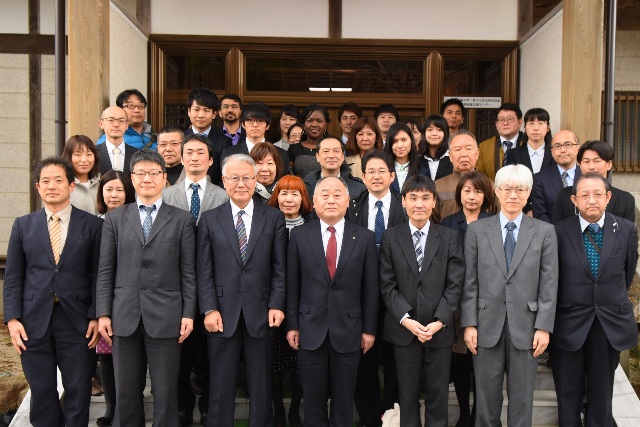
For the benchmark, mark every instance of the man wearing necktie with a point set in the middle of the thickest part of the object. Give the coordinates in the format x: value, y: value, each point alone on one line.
x: 114, y: 153
x: 196, y: 194
x: 49, y: 291
x: 146, y: 293
x: 594, y: 321
x: 421, y: 275
x: 241, y: 288
x: 332, y: 303
x: 508, y: 299
x: 377, y: 209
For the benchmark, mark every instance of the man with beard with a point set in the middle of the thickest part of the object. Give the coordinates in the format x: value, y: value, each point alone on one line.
x: 230, y: 111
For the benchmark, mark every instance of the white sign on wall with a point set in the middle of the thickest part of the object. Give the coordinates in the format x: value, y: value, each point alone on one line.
x: 478, y: 101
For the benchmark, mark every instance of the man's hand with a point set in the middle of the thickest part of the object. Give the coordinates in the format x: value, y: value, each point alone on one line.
x: 471, y: 338
x: 213, y: 321
x: 92, y: 331
x: 104, y: 326
x: 432, y: 328
x: 186, y: 326
x: 367, y: 342
x: 294, y: 338
x: 275, y: 317
x: 416, y: 328
x: 540, y: 342
x: 18, y: 335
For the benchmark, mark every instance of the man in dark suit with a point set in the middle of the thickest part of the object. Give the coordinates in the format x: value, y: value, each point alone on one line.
x: 49, y: 295
x: 548, y: 182
x: 256, y: 120
x: 196, y: 194
x: 332, y: 303
x: 146, y: 293
x: 377, y: 209
x: 492, y: 150
x: 508, y: 300
x: 596, y: 156
x: 114, y: 153
x: 421, y: 275
x: 598, y: 253
x: 241, y: 287
x: 203, y: 108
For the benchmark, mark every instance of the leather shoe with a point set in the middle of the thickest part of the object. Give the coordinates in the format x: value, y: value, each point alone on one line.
x: 185, y: 419
x: 104, y: 422
x: 203, y: 419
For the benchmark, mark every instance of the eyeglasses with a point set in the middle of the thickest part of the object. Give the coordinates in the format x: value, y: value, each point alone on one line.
x: 506, y: 191
x: 587, y: 197
x: 237, y: 179
x: 112, y: 120
x: 255, y: 121
x: 505, y: 120
x: 134, y: 106
x: 152, y: 174
x: 566, y: 146
x: 376, y: 172
x: 173, y: 145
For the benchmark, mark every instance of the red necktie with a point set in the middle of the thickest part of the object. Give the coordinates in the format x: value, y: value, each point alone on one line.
x: 332, y: 252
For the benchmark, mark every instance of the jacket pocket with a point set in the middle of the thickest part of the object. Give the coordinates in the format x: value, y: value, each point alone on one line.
x: 482, y: 303
x: 533, y: 305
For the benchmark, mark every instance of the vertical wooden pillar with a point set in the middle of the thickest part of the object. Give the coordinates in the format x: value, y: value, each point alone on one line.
x: 433, y: 73
x: 582, y: 49
x: 35, y: 103
x: 88, y: 23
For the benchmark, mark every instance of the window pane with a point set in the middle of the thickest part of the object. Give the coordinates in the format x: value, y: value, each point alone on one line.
x: 473, y: 78
x: 188, y: 72
x: 356, y: 76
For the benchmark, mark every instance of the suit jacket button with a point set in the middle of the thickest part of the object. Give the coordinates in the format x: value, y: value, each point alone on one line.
x: 596, y: 306
x: 596, y: 283
x: 330, y: 290
x: 243, y: 272
x: 56, y: 271
x: 419, y: 288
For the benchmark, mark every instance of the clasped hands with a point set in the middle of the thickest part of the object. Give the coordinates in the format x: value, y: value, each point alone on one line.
x: 424, y: 333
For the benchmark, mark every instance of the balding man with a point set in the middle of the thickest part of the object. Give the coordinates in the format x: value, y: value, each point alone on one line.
x: 114, y: 153
x: 549, y: 181
x: 332, y: 303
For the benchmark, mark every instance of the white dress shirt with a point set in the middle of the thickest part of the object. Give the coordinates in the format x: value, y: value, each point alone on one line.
x: 327, y: 234
x: 197, y: 132
x: 246, y: 217
x: 373, y: 210
x: 503, y: 223
x: 110, y: 148
x: 536, y: 157
x: 250, y: 144
x: 189, y: 190
x: 433, y: 164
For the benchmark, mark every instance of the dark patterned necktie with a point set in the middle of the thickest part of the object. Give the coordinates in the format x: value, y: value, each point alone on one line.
x: 565, y: 182
x: 418, y: 248
x: 592, y: 252
x: 507, y: 147
x: 509, y: 243
x: 379, y: 224
x: 241, y: 232
x: 195, y: 201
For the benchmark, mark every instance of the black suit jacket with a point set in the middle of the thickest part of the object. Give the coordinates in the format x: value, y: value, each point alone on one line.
x: 219, y: 142
x: 359, y: 210
x: 242, y: 148
x: 445, y: 167
x: 582, y: 297
x: 32, y: 276
x: 105, y: 161
x: 621, y: 205
x: 433, y: 292
x: 546, y: 185
x: 229, y: 286
x: 345, y: 307
x: 458, y: 222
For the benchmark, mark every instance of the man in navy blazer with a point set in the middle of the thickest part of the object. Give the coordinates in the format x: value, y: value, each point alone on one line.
x: 241, y: 288
x: 49, y: 298
x: 594, y: 320
x: 549, y: 181
x: 332, y: 303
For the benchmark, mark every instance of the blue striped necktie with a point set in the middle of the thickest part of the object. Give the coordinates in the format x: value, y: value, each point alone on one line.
x: 241, y: 232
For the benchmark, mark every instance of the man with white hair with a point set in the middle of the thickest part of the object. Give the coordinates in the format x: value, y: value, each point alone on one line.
x: 508, y: 299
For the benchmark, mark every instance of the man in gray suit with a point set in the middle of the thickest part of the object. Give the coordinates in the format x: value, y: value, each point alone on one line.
x: 146, y: 293
x: 508, y: 299
x: 196, y: 194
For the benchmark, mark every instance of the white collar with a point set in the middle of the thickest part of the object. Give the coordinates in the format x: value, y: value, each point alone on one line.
x: 248, y: 210
x: 584, y: 223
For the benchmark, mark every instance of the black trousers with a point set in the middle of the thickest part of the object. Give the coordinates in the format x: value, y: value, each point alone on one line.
x: 596, y: 360
x: 194, y: 358
x: 62, y: 346
x: 325, y: 372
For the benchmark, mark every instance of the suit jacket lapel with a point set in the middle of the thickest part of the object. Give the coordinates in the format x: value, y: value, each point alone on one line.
x: 76, y: 223
x: 314, y: 234
x: 133, y: 216
x: 128, y: 153
x: 433, y: 242
x: 229, y: 227
x: 393, y: 207
x: 547, y: 160
x: 525, y: 235
x: 40, y: 223
x: 103, y: 155
x: 257, y: 224
x: 609, y: 239
x: 556, y: 182
x: 406, y: 245
x: 244, y: 148
x: 575, y: 237
x: 348, y: 242
x: 208, y: 199
x: 494, y: 235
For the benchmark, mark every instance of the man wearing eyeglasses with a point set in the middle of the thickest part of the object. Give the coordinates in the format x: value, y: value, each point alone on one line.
x: 549, y: 181
x: 241, y: 262
x: 170, y: 148
x: 146, y: 293
x: 139, y: 133
x: 115, y: 153
x: 493, y: 150
x: 596, y: 156
x: 598, y: 253
x: 508, y: 300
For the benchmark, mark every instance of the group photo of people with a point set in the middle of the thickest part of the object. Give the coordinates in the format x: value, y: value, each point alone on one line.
x: 258, y: 255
